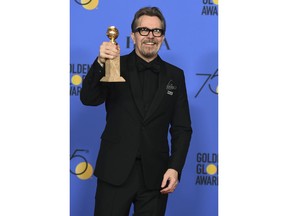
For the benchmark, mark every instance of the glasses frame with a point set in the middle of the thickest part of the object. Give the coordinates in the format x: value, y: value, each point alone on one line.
x: 139, y: 29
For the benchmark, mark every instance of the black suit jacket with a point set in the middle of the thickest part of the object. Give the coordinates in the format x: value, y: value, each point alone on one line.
x: 128, y: 128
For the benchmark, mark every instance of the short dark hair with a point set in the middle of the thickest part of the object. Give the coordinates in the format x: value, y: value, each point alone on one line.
x: 149, y: 11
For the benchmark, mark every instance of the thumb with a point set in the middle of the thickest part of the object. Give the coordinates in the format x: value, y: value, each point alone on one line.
x: 164, y: 181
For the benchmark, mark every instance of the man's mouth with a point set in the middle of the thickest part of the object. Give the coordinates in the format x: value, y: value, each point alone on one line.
x: 149, y: 43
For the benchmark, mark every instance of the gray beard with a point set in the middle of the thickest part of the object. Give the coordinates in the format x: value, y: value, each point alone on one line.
x: 149, y: 54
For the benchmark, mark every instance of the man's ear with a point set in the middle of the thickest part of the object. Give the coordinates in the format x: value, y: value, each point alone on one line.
x: 133, y: 37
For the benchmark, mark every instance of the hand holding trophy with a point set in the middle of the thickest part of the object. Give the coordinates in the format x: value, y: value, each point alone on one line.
x: 112, y: 66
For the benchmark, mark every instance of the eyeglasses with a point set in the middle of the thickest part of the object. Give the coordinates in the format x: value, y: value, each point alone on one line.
x: 143, y: 31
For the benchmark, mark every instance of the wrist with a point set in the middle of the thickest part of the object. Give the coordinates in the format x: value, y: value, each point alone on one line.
x: 99, y: 62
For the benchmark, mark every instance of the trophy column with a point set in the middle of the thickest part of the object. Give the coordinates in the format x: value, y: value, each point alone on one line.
x: 112, y: 66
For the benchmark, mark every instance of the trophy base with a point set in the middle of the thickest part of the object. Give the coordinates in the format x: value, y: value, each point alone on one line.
x: 112, y: 79
x: 112, y: 71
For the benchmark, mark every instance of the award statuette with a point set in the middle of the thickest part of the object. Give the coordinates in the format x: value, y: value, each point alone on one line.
x: 112, y: 66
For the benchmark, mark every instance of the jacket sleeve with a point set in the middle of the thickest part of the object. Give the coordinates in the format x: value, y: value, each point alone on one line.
x: 180, y: 129
x: 93, y: 92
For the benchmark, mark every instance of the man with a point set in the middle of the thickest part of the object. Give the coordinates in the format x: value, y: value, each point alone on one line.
x: 135, y: 164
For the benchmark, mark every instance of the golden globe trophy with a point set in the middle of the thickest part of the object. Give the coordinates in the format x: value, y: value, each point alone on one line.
x: 112, y: 66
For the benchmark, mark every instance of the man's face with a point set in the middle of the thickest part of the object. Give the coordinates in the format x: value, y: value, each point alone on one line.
x: 147, y: 47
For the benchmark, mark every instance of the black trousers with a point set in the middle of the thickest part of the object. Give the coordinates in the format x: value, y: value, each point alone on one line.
x: 116, y: 200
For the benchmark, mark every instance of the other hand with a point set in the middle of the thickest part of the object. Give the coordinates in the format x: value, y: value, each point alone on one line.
x: 169, y: 182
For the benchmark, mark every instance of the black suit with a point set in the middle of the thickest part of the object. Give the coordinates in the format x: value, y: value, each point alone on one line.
x: 128, y: 128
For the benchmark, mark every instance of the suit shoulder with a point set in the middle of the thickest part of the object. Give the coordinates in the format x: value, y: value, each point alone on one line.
x: 173, y: 68
x: 125, y: 56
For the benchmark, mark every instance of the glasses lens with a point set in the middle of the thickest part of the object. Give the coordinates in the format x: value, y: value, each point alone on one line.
x: 157, y: 32
x: 144, y: 31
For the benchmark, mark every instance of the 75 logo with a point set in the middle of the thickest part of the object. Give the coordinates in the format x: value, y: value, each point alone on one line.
x: 207, y: 82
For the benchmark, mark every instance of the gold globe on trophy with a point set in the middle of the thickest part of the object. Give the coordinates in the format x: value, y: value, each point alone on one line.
x: 112, y: 66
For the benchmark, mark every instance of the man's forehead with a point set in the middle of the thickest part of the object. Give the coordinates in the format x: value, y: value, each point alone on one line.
x: 149, y: 21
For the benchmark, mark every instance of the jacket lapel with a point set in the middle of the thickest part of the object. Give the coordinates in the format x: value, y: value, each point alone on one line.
x: 163, y: 79
x: 135, y: 83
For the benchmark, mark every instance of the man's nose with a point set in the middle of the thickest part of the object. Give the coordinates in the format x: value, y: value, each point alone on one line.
x: 150, y: 34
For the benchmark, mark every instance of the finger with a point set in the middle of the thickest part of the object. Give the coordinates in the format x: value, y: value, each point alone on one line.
x: 109, y: 51
x: 113, y: 47
x: 170, y: 188
x: 164, y: 182
x: 167, y: 190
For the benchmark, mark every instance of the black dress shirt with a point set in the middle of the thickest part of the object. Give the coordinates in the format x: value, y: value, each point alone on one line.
x: 149, y: 76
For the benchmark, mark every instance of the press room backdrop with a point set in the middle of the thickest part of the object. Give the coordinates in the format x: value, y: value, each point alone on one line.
x: 192, y: 44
